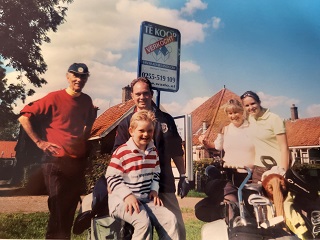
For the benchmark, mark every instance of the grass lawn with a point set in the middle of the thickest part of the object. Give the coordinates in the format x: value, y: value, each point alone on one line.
x: 32, y: 226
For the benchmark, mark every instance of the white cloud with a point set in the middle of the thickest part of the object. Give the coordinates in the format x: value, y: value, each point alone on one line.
x: 107, y: 56
x: 177, y: 109
x: 191, y: 31
x: 192, y: 104
x: 270, y: 101
x: 192, y: 5
x: 103, y: 104
x: 216, y: 22
x: 189, y: 66
x: 313, y: 110
x: 173, y: 108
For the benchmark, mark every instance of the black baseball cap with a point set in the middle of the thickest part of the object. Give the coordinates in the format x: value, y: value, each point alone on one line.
x: 79, y: 68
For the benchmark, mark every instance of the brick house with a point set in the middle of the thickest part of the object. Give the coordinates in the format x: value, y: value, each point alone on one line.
x: 7, y: 160
x: 303, y: 137
x: 104, y: 128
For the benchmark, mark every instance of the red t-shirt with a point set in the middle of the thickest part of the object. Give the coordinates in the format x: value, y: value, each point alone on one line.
x: 64, y: 118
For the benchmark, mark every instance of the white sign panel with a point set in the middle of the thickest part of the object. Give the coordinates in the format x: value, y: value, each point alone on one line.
x: 159, y: 56
x: 180, y: 123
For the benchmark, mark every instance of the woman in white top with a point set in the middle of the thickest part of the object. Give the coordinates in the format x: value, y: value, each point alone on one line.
x: 236, y: 142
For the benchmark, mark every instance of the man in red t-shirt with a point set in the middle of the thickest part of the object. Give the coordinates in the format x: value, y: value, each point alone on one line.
x: 66, y: 118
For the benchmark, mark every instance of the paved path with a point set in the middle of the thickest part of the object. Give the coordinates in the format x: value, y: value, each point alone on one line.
x: 27, y: 204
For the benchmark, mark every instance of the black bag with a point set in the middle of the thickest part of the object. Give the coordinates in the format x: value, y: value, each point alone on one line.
x: 82, y: 222
x: 214, y: 189
x: 299, y: 186
x: 254, y: 233
x: 208, y: 211
x: 100, y: 198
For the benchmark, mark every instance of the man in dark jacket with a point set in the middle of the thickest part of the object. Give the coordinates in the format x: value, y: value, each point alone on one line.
x: 168, y: 143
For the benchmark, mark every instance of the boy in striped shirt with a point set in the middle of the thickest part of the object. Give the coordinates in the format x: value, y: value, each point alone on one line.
x: 133, y: 182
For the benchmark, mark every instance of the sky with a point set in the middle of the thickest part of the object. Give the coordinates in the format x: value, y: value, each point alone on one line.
x: 271, y: 47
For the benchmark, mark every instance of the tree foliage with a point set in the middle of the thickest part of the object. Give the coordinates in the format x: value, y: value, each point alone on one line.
x: 24, y: 26
x: 8, y: 94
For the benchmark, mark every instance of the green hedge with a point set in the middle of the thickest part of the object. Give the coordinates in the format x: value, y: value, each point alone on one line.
x: 97, y: 168
x: 311, y: 173
x: 305, y: 167
x: 199, y: 168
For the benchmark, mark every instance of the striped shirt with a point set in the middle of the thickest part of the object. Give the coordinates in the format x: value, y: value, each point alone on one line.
x: 132, y: 170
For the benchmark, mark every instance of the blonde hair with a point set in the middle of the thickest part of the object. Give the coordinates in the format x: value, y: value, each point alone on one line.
x: 233, y: 104
x: 142, y: 115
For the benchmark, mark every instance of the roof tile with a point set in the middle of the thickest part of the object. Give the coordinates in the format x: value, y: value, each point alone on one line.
x: 109, y: 117
x: 7, y: 149
x: 211, y: 112
x: 303, y: 132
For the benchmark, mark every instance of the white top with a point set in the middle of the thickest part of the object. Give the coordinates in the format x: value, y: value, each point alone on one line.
x: 238, y: 146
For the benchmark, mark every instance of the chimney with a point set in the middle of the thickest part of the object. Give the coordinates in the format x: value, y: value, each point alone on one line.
x: 204, y: 126
x: 96, y: 109
x: 294, y: 113
x: 126, y: 94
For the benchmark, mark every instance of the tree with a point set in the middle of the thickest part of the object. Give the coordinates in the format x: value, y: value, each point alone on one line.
x: 8, y: 94
x: 10, y: 132
x: 23, y: 28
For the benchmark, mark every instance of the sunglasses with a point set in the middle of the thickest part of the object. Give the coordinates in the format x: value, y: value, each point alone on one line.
x: 246, y: 95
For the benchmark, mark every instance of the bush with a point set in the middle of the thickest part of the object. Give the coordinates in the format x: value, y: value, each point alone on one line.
x: 98, y: 167
x: 311, y: 173
x: 301, y: 168
x: 199, y: 168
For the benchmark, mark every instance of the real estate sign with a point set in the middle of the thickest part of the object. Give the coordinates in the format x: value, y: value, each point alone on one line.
x: 159, y: 56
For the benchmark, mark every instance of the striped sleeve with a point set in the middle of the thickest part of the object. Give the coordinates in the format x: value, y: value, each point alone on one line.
x: 114, y: 177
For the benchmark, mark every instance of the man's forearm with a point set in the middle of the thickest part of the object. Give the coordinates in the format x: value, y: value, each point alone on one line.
x: 179, y: 162
x: 87, y: 132
x: 26, y: 124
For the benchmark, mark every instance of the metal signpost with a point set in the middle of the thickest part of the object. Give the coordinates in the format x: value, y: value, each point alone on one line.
x: 184, y: 127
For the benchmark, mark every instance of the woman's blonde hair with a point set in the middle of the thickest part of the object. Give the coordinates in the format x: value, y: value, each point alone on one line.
x: 233, y: 104
x: 142, y: 115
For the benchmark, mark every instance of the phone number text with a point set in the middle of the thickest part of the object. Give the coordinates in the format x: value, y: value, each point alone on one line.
x: 152, y: 76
